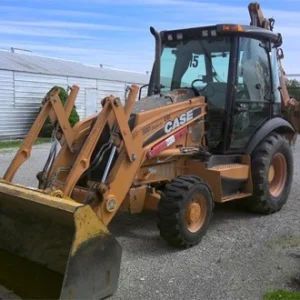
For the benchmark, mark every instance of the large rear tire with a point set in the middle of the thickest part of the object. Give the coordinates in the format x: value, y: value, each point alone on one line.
x: 185, y: 211
x: 272, y: 175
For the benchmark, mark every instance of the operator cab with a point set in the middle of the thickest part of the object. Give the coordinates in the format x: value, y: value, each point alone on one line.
x: 198, y: 64
x: 231, y: 66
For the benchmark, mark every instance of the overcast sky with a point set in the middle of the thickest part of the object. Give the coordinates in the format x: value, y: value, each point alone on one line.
x: 116, y: 33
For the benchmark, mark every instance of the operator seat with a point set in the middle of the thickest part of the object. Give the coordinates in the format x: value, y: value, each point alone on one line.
x: 216, y: 97
x: 216, y: 94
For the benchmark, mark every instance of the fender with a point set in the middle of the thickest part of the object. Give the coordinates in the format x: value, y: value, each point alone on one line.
x: 276, y: 124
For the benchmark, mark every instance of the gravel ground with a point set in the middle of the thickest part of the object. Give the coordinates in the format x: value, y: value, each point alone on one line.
x: 241, y: 257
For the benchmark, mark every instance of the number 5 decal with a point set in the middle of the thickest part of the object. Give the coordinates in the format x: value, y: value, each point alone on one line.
x: 194, y: 62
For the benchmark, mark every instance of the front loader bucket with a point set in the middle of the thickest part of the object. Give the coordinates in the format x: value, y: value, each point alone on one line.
x: 53, y: 248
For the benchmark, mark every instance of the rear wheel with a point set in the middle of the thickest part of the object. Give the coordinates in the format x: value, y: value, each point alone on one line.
x: 185, y: 211
x: 272, y: 174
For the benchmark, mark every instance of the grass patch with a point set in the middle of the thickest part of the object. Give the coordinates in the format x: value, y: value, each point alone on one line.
x: 282, y: 295
x: 17, y: 143
x: 6, y: 151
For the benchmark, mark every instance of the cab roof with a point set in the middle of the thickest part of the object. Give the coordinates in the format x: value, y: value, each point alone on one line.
x: 221, y: 30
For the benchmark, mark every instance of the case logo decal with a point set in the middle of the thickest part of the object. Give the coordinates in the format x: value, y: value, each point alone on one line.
x: 179, y: 121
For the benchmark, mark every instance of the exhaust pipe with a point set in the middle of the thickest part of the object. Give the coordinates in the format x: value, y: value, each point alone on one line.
x: 155, y: 76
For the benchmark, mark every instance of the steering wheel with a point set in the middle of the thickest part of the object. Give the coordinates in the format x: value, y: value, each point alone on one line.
x: 197, y: 91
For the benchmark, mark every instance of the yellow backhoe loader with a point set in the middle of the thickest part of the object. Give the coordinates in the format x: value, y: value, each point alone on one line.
x: 217, y: 125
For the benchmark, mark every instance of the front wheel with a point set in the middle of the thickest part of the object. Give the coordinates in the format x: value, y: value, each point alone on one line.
x: 272, y: 174
x: 185, y: 211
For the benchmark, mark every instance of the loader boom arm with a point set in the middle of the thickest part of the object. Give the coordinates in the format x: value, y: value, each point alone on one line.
x: 53, y: 108
x: 112, y: 112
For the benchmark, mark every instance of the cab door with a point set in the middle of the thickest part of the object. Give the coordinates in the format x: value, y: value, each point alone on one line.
x: 253, y: 98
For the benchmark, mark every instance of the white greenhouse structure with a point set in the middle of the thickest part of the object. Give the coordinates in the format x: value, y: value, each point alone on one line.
x: 25, y: 79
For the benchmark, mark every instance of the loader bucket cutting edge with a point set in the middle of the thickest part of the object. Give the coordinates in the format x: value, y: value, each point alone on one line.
x: 53, y: 248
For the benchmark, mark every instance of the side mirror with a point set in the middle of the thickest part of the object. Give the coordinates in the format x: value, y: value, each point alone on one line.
x: 280, y: 54
x: 140, y: 91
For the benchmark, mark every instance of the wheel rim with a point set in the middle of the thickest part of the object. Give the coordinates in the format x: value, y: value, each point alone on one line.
x: 277, y: 174
x: 195, y: 213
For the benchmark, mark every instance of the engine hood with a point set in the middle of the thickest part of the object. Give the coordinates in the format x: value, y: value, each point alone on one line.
x: 162, y: 99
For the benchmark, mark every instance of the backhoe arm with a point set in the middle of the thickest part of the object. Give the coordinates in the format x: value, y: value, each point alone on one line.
x: 289, y: 106
x: 257, y: 17
x: 286, y: 99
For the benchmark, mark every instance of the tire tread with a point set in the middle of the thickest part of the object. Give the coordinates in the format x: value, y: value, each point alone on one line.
x: 261, y: 201
x: 170, y: 206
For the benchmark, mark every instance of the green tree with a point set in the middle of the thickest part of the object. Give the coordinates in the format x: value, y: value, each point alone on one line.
x: 73, y: 118
x: 293, y: 87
